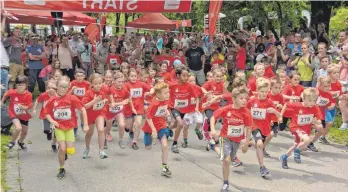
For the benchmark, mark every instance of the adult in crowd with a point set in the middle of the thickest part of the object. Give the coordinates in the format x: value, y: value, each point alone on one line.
x: 85, y: 55
x: 14, y: 47
x: 64, y: 54
x: 74, y: 44
x: 184, y: 42
x: 295, y: 46
x: 322, y: 52
x: 342, y: 40
x: 4, y: 66
x: 304, y: 64
x: 322, y: 35
x: 101, y: 55
x: 282, y: 53
x: 35, y: 53
x: 195, y: 60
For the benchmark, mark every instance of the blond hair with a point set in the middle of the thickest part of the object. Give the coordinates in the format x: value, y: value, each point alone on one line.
x: 238, y: 82
x: 262, y: 82
x: 159, y: 87
x: 95, y: 76
x: 239, y: 91
x: 310, y: 92
x: 324, y: 79
x: 332, y: 68
x: 275, y: 81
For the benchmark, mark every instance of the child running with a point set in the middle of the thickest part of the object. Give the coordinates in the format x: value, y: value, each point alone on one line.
x: 20, y: 102
x: 155, y: 126
x: 276, y: 96
x: 60, y: 112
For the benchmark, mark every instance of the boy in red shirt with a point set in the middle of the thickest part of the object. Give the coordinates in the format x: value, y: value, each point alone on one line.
x: 236, y: 126
x: 304, y: 115
x: 259, y: 72
x: 20, y: 102
x: 113, y: 60
x: 51, y: 91
x: 60, y: 112
x: 276, y: 96
x: 261, y: 110
x: 155, y: 126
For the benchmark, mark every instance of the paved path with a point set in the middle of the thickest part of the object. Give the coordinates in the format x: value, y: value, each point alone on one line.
x: 194, y: 169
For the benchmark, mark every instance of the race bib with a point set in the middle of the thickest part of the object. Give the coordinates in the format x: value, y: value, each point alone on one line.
x: 295, y: 99
x: 116, y: 109
x: 19, y: 111
x: 322, y: 101
x: 136, y: 93
x: 113, y: 61
x: 161, y: 111
x: 193, y: 101
x: 235, y: 131
x: 180, y: 103
x: 62, y: 114
x: 335, y: 94
x: 275, y: 103
x: 258, y: 113
x: 79, y: 92
x: 99, y: 105
x: 305, y: 119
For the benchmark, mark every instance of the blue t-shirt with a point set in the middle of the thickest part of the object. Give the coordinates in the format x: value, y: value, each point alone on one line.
x: 35, y: 50
x: 159, y: 43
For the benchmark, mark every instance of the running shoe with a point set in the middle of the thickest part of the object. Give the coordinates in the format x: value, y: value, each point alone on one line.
x: 236, y: 162
x: 54, y: 148
x: 224, y: 188
x: 207, y: 147
x: 127, y: 130
x: 344, y: 127
x: 122, y: 144
x: 199, y: 134
x: 105, y: 144
x: 131, y: 134
x: 166, y: 172
x: 109, y: 138
x: 171, y: 133
x: 175, y: 149
x: 323, y: 140
x: 275, y: 134
x: 265, y: 154
x: 10, y: 145
x: 297, y: 156
x: 22, y: 145
x: 49, y: 135
x: 311, y: 147
x: 205, y: 125
x: 135, y: 146
x: 284, y: 161
x: 66, y: 156
x: 61, y: 173
x: 85, y: 154
x: 263, y: 171
x: 103, y: 155
x: 184, y: 145
x: 212, y: 144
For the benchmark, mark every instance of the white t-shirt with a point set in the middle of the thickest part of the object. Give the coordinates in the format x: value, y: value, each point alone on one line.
x: 4, y: 61
x: 64, y: 57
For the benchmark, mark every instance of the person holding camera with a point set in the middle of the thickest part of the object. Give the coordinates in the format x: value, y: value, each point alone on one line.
x: 282, y: 53
x: 303, y: 64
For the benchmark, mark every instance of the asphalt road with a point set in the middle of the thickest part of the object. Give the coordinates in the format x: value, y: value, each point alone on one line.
x: 194, y: 169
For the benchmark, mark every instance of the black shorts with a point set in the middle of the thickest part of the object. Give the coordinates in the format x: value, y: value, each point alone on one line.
x: 323, y: 123
x: 177, y: 113
x: 257, y: 135
x: 25, y: 123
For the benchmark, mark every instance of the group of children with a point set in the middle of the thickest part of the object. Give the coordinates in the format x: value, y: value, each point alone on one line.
x: 169, y: 99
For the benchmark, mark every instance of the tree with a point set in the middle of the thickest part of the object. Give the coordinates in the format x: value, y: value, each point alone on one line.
x: 337, y: 22
x: 126, y: 16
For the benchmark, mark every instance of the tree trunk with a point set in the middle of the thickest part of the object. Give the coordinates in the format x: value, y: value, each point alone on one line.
x: 280, y: 16
x: 321, y: 13
x: 118, y: 16
x: 126, y: 16
x: 133, y: 16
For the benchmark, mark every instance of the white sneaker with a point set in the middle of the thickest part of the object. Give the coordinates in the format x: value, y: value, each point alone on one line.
x: 344, y: 127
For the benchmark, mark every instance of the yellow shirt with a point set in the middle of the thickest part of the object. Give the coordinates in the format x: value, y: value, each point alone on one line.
x: 305, y: 71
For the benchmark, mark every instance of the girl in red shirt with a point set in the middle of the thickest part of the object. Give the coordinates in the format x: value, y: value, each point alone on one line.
x: 94, y: 102
x: 135, y: 111
x: 117, y: 99
x: 113, y: 60
x: 51, y: 91
x: 278, y: 100
x: 20, y: 102
x: 125, y: 70
x: 60, y: 112
x: 106, y: 89
x: 259, y: 72
x: 163, y: 71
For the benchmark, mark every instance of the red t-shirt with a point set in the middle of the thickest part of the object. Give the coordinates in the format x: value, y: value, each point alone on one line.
x: 113, y: 60
x: 166, y: 75
x: 174, y: 52
x: 261, y: 119
x: 157, y: 111
x: 252, y: 85
x: 228, y: 98
x: 118, y: 95
x: 81, y: 88
x: 241, y: 59
x: 136, y: 91
x: 43, y: 99
x: 170, y: 61
x: 199, y: 93
x: 336, y: 89
x: 324, y: 100
x: 302, y: 117
x: 98, y: 109
x: 180, y: 95
x: 276, y: 99
x: 234, y: 122
x: 181, y: 58
x: 294, y: 91
x: 269, y: 72
x: 217, y: 89
x: 16, y: 98
x: 62, y: 109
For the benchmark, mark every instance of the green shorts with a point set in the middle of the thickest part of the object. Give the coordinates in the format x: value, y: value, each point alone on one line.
x: 64, y: 135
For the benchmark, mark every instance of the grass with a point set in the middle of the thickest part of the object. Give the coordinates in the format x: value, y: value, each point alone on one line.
x: 335, y: 134
x: 4, y: 142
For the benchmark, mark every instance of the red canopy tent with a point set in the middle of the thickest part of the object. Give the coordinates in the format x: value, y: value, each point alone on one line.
x: 45, y: 18
x: 153, y: 21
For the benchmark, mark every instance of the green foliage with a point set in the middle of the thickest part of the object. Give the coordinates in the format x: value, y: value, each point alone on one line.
x: 337, y: 22
x: 4, y: 142
x: 337, y: 135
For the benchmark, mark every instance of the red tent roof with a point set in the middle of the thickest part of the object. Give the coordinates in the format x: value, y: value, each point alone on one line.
x: 44, y: 17
x: 153, y: 21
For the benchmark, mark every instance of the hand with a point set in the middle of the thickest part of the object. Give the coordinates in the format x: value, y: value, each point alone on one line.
x: 280, y: 120
x: 22, y: 107
x: 215, y: 136
x: 197, y: 109
x: 279, y: 106
x: 206, y: 104
x: 134, y: 111
x: 97, y: 98
x: 113, y: 104
x: 245, y: 147
x: 154, y: 134
x: 73, y: 88
x: 55, y: 124
x: 85, y: 128
x: 279, y: 47
x: 125, y: 102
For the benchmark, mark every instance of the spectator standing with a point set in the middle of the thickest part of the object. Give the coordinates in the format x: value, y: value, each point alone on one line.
x: 195, y: 60
x: 75, y: 44
x: 64, y: 54
x: 35, y: 53
x: 4, y: 65
x: 85, y: 56
x: 101, y: 56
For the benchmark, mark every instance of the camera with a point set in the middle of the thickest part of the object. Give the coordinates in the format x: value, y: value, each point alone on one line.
x: 278, y: 43
x: 298, y: 54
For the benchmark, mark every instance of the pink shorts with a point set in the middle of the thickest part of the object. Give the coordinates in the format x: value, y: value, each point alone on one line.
x: 298, y: 134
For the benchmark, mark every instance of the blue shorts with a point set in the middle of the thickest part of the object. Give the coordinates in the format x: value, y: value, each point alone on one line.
x: 160, y: 134
x: 330, y: 115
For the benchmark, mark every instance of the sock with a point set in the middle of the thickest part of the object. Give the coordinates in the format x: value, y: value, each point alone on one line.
x: 164, y: 165
x: 226, y: 182
x: 61, y: 167
x: 311, y: 143
x: 284, y: 157
x: 185, y: 140
x: 175, y: 143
